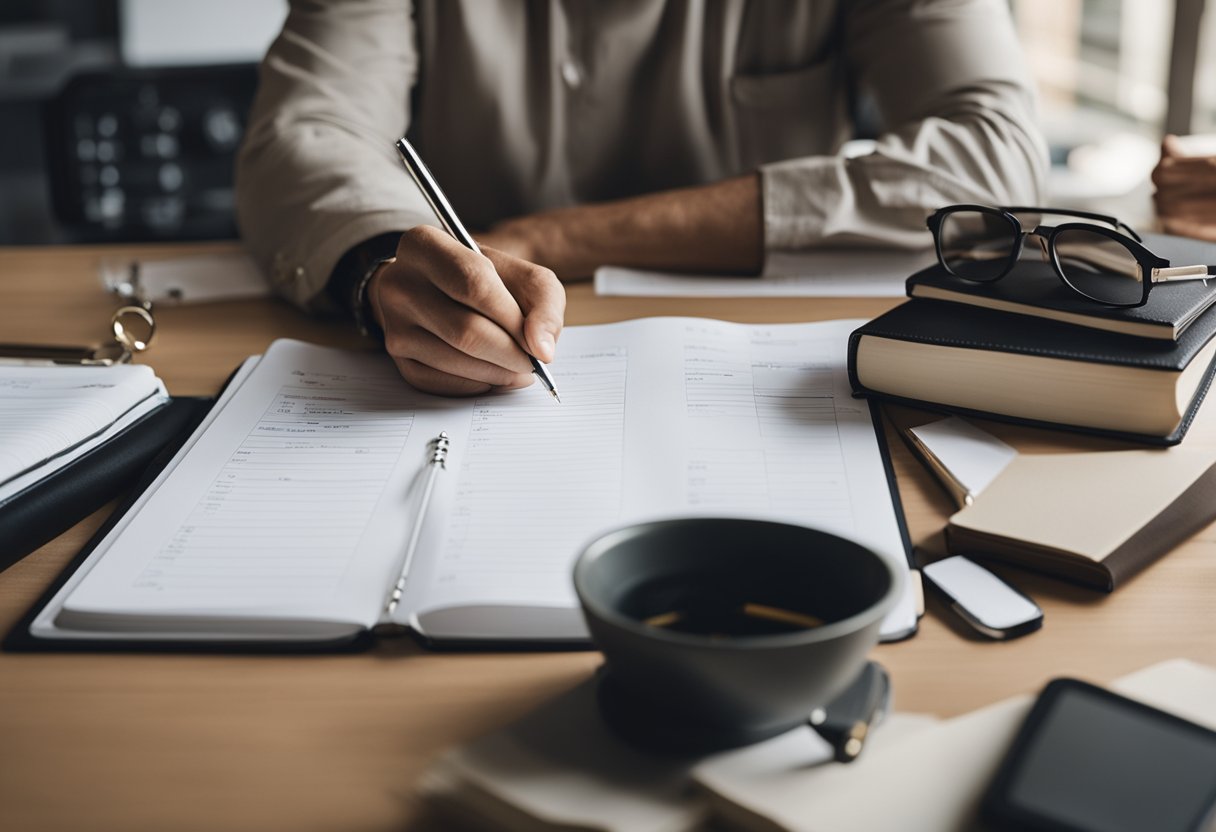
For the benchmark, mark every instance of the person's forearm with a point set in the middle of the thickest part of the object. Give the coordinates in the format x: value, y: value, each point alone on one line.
x: 716, y: 228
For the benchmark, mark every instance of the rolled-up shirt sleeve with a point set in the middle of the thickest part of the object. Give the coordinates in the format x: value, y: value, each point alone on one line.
x: 950, y: 81
x: 317, y: 173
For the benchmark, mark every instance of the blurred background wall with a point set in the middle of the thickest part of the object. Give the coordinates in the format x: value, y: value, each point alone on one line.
x: 119, y: 118
x: 1113, y: 77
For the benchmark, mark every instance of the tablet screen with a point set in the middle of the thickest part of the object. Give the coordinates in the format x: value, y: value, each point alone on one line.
x: 1096, y: 764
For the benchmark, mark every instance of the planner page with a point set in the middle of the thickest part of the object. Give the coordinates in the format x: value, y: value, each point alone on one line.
x: 286, y: 515
x: 660, y: 417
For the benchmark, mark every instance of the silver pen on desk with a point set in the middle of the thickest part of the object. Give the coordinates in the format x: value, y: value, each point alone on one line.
x: 436, y: 461
x: 452, y: 224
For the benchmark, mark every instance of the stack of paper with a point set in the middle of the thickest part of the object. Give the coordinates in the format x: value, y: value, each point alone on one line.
x: 50, y: 416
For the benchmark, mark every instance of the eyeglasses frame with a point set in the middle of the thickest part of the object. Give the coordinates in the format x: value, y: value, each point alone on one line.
x: 1157, y: 268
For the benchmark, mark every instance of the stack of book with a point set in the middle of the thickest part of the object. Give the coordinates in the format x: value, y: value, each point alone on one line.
x: 1028, y: 349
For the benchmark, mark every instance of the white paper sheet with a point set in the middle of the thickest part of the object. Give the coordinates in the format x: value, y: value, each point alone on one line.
x: 194, y: 278
x: 972, y: 455
x: 821, y: 273
x: 46, y: 413
x: 32, y: 477
x: 659, y: 417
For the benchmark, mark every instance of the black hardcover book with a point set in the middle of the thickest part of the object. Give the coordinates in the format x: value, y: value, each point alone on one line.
x: 1007, y: 366
x: 1034, y: 288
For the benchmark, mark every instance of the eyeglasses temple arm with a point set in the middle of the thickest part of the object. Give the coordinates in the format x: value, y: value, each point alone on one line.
x: 1174, y: 273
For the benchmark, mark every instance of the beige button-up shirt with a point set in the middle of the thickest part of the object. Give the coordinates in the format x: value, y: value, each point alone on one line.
x: 522, y: 105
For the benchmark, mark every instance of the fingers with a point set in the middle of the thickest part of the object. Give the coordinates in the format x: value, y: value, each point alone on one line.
x: 541, y: 299
x: 430, y: 380
x: 470, y: 279
x: 451, y: 323
x: 428, y: 349
x: 422, y: 309
x: 1190, y: 228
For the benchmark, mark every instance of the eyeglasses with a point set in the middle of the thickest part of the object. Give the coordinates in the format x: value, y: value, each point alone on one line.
x: 1102, y: 259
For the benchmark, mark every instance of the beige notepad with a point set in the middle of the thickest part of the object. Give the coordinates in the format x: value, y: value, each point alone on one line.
x: 1094, y: 518
x: 931, y: 780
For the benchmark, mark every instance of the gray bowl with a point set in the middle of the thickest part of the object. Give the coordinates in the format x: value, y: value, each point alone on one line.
x: 742, y: 688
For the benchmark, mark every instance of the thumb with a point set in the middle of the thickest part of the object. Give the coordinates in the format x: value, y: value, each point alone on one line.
x: 543, y: 314
x: 1171, y: 147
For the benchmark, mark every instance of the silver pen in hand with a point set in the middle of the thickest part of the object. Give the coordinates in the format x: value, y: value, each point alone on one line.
x: 452, y: 224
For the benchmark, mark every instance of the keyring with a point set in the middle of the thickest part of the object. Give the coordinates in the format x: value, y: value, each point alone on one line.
x: 130, y: 323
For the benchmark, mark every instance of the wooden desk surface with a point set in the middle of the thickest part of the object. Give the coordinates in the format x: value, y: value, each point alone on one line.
x: 147, y: 742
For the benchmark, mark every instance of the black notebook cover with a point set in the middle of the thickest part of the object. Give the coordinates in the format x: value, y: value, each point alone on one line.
x: 966, y: 327
x: 1036, y: 289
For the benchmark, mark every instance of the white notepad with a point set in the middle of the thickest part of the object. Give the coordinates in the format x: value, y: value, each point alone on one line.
x: 50, y: 416
x: 284, y: 516
x: 817, y: 273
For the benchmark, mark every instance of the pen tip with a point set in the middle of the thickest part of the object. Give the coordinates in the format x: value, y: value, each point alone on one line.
x: 556, y: 397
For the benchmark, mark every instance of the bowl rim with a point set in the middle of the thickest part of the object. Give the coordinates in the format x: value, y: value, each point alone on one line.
x: 595, y: 548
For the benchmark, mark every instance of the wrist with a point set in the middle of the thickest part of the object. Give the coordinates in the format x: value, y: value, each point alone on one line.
x: 363, y: 305
x: 348, y: 283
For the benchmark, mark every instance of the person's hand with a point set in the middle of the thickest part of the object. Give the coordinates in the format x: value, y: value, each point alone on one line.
x: 458, y: 323
x: 1186, y: 191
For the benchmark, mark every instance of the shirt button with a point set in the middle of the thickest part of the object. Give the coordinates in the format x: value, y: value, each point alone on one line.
x: 299, y: 272
x: 571, y: 74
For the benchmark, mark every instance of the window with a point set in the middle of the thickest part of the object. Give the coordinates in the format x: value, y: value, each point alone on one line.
x: 1204, y: 120
x: 1101, y: 68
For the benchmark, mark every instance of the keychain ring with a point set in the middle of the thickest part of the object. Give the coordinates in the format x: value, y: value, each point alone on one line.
x: 121, y: 322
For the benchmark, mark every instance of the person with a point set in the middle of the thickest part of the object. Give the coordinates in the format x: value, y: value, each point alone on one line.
x: 671, y: 135
x: 1185, y: 182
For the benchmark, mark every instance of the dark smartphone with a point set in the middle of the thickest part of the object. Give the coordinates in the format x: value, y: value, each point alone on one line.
x: 1088, y: 760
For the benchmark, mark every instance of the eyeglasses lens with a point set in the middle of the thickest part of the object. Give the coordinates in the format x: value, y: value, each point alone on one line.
x: 977, y: 245
x: 1099, y: 267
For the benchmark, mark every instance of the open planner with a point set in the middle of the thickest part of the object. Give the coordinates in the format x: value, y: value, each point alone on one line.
x: 283, y: 518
